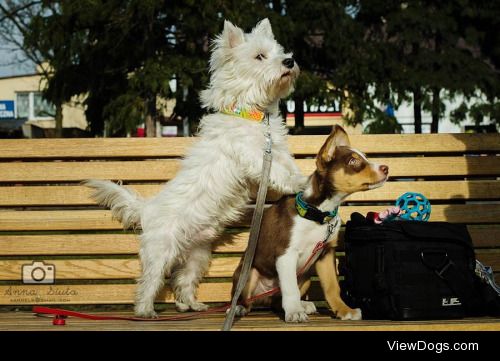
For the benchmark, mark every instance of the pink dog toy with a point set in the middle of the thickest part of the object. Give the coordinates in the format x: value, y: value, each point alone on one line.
x: 386, y: 215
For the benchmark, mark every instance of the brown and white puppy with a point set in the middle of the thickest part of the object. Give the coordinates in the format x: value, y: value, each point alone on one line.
x: 287, y: 239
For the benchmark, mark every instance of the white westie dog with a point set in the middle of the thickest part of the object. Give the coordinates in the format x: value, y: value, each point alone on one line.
x: 250, y: 73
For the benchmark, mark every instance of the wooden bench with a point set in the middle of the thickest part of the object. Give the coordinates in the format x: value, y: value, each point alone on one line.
x: 45, y: 215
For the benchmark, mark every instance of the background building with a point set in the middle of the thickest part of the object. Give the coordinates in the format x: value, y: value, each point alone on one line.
x: 23, y: 109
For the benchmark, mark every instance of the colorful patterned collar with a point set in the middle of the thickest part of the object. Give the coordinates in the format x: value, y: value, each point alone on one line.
x: 312, y: 213
x: 245, y: 113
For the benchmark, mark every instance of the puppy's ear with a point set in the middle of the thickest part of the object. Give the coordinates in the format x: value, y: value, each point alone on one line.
x: 232, y: 35
x: 340, y: 136
x: 337, y: 138
x: 264, y: 28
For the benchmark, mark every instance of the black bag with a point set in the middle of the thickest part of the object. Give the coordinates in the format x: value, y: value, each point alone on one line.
x: 406, y: 270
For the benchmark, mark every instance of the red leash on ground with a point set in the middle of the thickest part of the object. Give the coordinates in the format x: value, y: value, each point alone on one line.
x: 61, y: 314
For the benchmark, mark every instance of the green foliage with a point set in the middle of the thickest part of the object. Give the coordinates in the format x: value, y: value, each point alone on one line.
x: 477, y: 111
x: 124, y: 113
x: 383, y: 124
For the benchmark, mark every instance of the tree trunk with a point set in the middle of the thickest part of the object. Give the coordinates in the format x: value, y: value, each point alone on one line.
x: 436, y: 102
x: 299, y: 115
x: 94, y: 114
x: 417, y: 109
x: 150, y: 122
x: 59, y: 121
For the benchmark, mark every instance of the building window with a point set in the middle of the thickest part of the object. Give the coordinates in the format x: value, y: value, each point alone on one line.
x: 31, y: 105
x: 23, y: 105
x: 41, y: 107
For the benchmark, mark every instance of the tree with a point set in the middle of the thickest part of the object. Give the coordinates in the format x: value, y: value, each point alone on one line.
x: 428, y: 51
x: 107, y: 50
x: 323, y: 38
x: 318, y: 46
x: 50, y: 42
x: 479, y: 25
x: 123, y: 55
x: 15, y: 19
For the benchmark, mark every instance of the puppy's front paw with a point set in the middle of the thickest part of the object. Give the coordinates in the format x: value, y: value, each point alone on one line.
x: 309, y: 307
x: 298, y: 316
x: 240, y: 311
x: 350, y: 314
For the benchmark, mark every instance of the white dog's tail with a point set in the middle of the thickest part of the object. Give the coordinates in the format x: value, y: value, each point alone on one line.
x: 125, y: 204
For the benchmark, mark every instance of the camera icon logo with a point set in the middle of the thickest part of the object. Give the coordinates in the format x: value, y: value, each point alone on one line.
x: 38, y: 273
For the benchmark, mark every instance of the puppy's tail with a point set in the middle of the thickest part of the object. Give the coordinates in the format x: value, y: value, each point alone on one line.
x: 125, y: 204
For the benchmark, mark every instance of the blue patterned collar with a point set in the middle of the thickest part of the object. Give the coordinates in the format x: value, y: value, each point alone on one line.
x: 312, y: 213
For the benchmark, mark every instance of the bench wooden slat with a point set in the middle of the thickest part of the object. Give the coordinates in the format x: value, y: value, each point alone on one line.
x: 98, y: 269
x: 79, y: 195
x: 161, y: 170
x: 98, y: 294
x: 128, y: 244
x: 77, y: 171
x: 108, y: 294
x: 301, y: 145
x: 485, y: 236
x: 95, y: 244
x: 491, y: 259
x: 101, y: 219
x: 106, y: 269
x: 68, y: 244
x: 433, y: 190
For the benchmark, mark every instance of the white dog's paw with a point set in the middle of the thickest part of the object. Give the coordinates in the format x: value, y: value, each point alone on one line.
x: 198, y: 306
x: 192, y: 306
x: 353, y: 314
x: 145, y: 312
x: 240, y: 311
x: 309, y: 307
x: 299, y: 182
x: 296, y: 316
x: 181, y: 307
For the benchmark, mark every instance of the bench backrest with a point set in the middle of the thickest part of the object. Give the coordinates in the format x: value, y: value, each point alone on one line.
x: 45, y: 215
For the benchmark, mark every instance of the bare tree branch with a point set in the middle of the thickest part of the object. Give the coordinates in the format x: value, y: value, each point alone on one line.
x: 8, y: 13
x: 14, y: 23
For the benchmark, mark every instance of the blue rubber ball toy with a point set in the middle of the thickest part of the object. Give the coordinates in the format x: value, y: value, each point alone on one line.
x: 414, y: 207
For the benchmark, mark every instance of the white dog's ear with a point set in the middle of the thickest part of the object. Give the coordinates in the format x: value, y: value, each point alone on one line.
x: 232, y: 35
x: 264, y: 28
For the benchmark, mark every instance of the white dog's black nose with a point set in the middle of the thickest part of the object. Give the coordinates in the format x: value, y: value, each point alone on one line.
x: 289, y: 63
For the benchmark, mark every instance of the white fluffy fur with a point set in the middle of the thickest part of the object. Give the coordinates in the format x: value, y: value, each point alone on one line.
x: 125, y: 204
x: 212, y: 187
x: 237, y: 77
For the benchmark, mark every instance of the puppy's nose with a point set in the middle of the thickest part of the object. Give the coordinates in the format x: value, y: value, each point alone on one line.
x: 384, y: 169
x: 289, y: 63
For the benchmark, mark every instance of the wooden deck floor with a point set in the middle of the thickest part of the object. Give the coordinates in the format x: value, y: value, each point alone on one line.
x: 257, y: 321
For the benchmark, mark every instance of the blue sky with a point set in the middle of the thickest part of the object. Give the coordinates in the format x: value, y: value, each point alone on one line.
x: 11, y: 63
x: 12, y: 60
